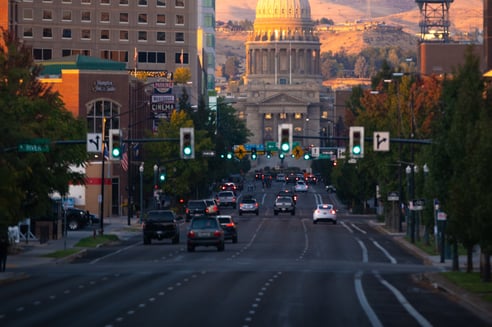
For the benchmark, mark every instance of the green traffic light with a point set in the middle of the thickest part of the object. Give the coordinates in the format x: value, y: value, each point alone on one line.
x: 229, y: 156
x: 307, y: 156
x: 285, y: 147
x: 356, y: 149
x: 116, y: 152
x: 187, y: 150
x: 282, y: 156
x: 162, y: 177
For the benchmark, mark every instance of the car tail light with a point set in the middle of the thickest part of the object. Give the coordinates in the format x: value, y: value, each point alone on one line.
x: 295, y: 197
x: 230, y: 225
x: 187, y: 210
x: 206, y: 210
x: 218, y: 233
x: 332, y: 212
x: 191, y: 234
x: 256, y: 204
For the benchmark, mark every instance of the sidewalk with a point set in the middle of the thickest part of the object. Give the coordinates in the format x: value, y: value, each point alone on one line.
x: 34, y: 253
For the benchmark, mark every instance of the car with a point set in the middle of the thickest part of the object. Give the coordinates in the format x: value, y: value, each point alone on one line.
x: 213, y: 206
x: 311, y: 179
x: 290, y: 178
x: 78, y: 218
x: 284, y: 204
x: 249, y: 205
x: 196, y: 208
x: 330, y: 188
x: 301, y: 186
x: 280, y: 177
x: 227, y: 199
x: 159, y: 225
x: 325, y: 212
x: 288, y: 193
x: 229, y: 187
x: 205, y: 231
x: 229, y: 226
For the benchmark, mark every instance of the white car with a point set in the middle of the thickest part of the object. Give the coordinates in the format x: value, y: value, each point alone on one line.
x: 325, y: 212
x: 301, y: 186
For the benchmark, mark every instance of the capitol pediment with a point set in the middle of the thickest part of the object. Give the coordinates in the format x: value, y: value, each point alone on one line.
x: 283, y: 99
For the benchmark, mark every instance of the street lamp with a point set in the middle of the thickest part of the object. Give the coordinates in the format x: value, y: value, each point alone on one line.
x: 410, y: 171
x: 141, y: 170
x: 156, y: 169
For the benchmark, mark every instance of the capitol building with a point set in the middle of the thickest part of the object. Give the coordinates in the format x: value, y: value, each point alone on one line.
x: 282, y: 82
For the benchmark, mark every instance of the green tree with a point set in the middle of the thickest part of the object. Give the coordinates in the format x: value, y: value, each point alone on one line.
x: 30, y: 110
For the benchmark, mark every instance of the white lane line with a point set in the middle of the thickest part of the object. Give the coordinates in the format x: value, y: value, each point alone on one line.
x: 386, y: 253
x: 359, y: 229
x: 365, y: 257
x: 113, y: 253
x: 347, y: 227
x: 404, y: 302
x: 371, y: 315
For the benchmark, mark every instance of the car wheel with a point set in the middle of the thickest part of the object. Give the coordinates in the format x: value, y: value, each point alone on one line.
x: 257, y: 213
x: 292, y: 213
x: 175, y: 239
x: 315, y: 221
x: 191, y: 248
x: 147, y: 240
x: 334, y: 222
x: 73, y: 225
x: 275, y: 213
x: 221, y: 247
x: 240, y: 213
x: 234, y: 239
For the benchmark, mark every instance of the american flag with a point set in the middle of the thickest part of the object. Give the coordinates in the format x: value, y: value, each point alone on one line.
x: 124, y: 158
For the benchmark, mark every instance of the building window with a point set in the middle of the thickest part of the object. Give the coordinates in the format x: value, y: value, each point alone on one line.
x: 85, y: 34
x: 181, y: 58
x: 268, y: 116
x: 142, y: 18
x: 180, y: 19
x: 179, y: 3
x: 27, y: 14
x: 161, y: 3
x: 268, y: 133
x: 28, y: 32
x: 104, y: 34
x: 142, y: 35
x: 124, y: 2
x: 87, y: 2
x: 66, y: 1
x: 210, y: 40
x: 142, y: 2
x: 161, y: 36
x: 152, y: 57
x: 161, y: 19
x: 85, y: 16
x: 105, y: 2
x: 42, y: 54
x: 67, y: 33
x: 324, y: 115
x: 297, y: 116
x: 67, y: 16
x: 179, y: 37
x: 47, y: 15
x: 97, y: 111
x: 123, y: 17
x: 47, y: 33
x: 282, y: 115
x: 208, y: 4
x: 209, y: 20
x: 124, y: 35
x: 105, y: 17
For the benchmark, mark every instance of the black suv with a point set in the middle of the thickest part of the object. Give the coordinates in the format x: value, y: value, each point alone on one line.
x: 196, y: 208
x: 160, y: 224
x: 78, y: 218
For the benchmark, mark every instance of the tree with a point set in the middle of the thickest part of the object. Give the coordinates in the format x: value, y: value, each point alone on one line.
x: 31, y: 110
x: 182, y: 75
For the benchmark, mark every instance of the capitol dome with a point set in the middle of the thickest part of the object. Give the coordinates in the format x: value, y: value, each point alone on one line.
x: 297, y: 9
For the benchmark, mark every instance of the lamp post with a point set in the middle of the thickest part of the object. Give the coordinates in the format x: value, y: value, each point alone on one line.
x: 156, y: 169
x: 410, y: 171
x: 141, y: 170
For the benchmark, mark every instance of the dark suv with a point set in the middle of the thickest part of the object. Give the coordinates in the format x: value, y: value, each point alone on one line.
x: 160, y: 224
x: 284, y: 204
x: 196, y: 208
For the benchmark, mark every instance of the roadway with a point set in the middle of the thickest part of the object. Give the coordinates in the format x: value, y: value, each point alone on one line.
x: 284, y: 271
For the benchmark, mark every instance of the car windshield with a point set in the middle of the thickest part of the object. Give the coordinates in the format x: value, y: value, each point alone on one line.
x: 248, y: 201
x: 284, y: 200
x: 225, y: 194
x: 202, y: 223
x: 325, y: 206
x: 160, y: 216
x: 196, y: 204
x: 224, y: 220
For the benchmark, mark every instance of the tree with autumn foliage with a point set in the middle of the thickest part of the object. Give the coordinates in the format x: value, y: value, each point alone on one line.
x: 31, y: 110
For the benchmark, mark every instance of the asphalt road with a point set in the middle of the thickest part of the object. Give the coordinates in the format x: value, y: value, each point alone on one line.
x: 284, y: 271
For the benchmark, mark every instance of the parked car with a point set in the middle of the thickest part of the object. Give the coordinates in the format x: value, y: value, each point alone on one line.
x: 78, y: 218
x: 301, y: 186
x: 205, y: 231
x: 284, y: 204
x: 325, y: 212
x: 229, y: 226
x: 249, y: 205
x: 160, y: 224
x: 196, y: 208
x: 213, y: 206
x: 330, y: 188
x: 227, y: 199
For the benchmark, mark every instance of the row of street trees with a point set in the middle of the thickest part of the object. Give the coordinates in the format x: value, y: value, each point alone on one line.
x: 30, y: 110
x: 453, y: 112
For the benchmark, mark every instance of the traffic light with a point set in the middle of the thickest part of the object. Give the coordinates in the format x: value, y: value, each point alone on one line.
x: 229, y: 155
x: 356, y: 141
x: 162, y: 174
x: 269, y: 154
x: 187, y: 142
x: 115, y: 144
x: 285, y: 138
x: 307, y: 156
x: 254, y: 156
x: 281, y: 155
